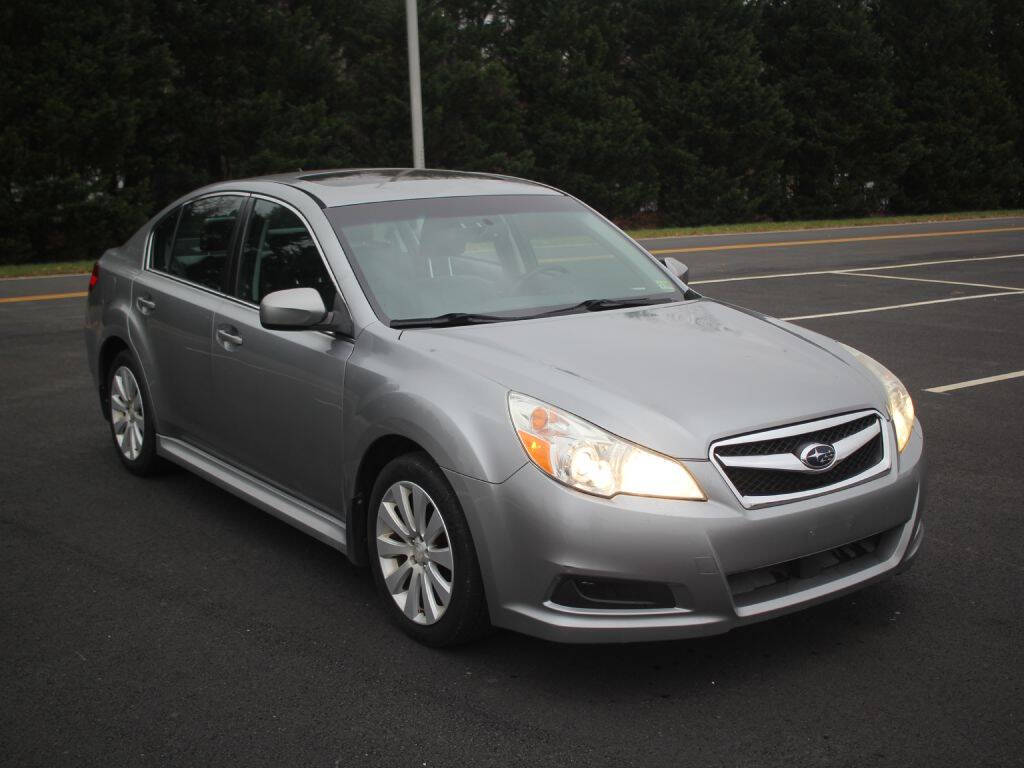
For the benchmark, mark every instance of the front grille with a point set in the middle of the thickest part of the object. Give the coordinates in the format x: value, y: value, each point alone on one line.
x: 792, y: 443
x: 761, y: 484
x: 774, y: 482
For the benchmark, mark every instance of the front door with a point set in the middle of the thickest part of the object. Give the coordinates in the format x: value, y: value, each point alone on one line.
x: 279, y: 393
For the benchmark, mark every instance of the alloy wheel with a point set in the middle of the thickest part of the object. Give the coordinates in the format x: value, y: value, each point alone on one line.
x: 127, y: 413
x: 415, y: 552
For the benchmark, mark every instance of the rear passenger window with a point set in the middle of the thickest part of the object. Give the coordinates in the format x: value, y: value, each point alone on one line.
x: 279, y: 253
x: 200, y: 250
x: 163, y: 239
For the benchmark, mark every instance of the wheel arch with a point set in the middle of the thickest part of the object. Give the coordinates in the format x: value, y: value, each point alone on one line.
x: 461, y: 429
x: 112, y: 346
x: 377, y: 455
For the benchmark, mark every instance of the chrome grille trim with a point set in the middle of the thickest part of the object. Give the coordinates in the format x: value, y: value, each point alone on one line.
x: 789, y: 462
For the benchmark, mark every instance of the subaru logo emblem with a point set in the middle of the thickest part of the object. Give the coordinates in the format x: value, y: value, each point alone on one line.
x: 817, y: 456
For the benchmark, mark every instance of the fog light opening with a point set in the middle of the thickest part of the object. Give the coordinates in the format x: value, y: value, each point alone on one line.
x: 611, y: 594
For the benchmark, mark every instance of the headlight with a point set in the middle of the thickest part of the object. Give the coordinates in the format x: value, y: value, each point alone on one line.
x: 577, y: 453
x: 901, y: 407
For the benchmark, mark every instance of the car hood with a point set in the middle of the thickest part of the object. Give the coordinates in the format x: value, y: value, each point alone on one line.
x: 672, y: 377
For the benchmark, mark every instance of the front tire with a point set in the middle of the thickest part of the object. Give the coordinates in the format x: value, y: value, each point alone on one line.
x: 422, y: 555
x: 131, y: 416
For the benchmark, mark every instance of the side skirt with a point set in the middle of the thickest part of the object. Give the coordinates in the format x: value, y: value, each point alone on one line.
x: 263, y: 495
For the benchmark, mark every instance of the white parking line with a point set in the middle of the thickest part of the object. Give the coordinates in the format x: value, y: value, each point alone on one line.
x: 830, y: 240
x: 976, y: 382
x: 930, y: 280
x: 903, y: 306
x: 845, y: 270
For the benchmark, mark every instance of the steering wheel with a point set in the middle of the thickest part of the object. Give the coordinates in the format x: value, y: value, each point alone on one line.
x: 551, y: 269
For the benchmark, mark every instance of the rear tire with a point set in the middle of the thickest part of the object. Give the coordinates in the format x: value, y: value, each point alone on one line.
x: 131, y: 416
x: 422, y: 555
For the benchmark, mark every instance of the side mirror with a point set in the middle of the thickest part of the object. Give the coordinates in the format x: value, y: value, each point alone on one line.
x: 302, y: 309
x: 678, y: 269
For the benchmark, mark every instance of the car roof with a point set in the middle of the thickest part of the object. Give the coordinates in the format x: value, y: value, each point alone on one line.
x: 333, y: 188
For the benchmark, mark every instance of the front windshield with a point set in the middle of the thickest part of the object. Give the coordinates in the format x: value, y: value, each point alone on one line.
x: 507, y: 256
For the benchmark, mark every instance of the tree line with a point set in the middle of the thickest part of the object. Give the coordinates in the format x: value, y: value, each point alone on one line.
x: 669, y: 112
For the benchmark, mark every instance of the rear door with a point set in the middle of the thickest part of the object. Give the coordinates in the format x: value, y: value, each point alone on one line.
x: 279, y: 393
x: 174, y: 300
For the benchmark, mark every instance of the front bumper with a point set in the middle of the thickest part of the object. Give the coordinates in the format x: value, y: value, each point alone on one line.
x: 531, y: 531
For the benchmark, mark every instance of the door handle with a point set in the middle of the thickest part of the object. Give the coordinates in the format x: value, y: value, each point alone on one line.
x: 227, y: 337
x: 145, y: 305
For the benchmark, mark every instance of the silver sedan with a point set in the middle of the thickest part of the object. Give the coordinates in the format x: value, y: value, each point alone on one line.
x: 504, y: 406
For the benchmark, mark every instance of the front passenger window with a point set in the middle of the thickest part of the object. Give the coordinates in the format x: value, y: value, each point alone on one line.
x: 279, y: 253
x: 200, y: 251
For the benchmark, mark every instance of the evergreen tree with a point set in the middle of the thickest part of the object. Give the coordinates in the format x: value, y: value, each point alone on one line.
x: 1008, y: 24
x: 369, y: 37
x: 961, y: 125
x: 80, y: 82
x: 701, y: 110
x: 472, y: 115
x: 258, y: 88
x: 832, y: 69
x: 719, y: 132
x: 582, y: 126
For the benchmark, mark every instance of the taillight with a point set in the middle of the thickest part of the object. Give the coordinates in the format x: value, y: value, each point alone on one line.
x: 95, y: 276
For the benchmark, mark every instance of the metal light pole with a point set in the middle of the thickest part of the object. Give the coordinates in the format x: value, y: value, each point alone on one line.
x: 415, y: 97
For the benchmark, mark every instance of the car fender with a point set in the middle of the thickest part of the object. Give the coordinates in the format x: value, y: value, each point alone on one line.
x: 480, y: 443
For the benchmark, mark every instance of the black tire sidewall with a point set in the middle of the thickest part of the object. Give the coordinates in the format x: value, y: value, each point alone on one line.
x: 147, y: 461
x: 465, y: 618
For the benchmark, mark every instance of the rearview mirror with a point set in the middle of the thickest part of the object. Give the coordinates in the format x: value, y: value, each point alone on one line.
x: 678, y: 269
x: 302, y: 309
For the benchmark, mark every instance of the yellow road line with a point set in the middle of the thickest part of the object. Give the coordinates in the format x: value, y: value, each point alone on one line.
x: 865, y: 227
x: 789, y: 243
x: 44, y: 277
x: 43, y: 297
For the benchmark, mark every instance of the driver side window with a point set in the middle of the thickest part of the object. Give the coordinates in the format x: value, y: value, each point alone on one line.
x: 279, y: 253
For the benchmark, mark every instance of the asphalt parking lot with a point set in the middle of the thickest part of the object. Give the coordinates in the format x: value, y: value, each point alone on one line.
x: 163, y: 621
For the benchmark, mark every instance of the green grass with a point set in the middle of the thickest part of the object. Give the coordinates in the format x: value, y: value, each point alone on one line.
x: 776, y: 226
x: 49, y: 268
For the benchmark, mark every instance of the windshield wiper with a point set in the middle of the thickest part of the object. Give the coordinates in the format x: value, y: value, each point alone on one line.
x: 599, y: 305
x: 450, y: 319
x: 447, y: 320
